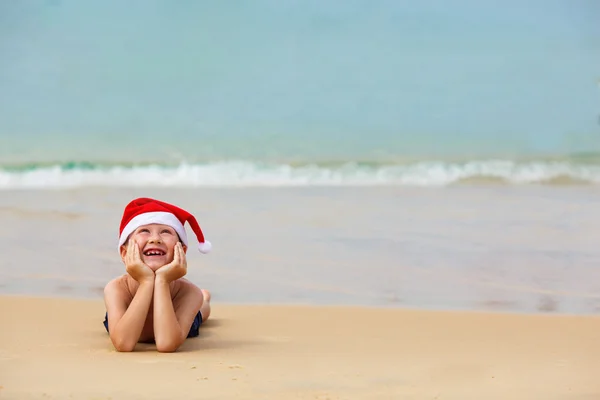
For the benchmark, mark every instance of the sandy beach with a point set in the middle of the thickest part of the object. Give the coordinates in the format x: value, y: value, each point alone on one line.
x: 55, y: 349
x: 402, y: 198
x: 476, y: 294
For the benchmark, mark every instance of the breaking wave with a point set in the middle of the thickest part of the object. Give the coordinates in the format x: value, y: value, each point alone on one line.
x: 246, y: 173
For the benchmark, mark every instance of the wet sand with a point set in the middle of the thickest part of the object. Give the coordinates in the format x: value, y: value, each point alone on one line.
x: 57, y: 349
x: 497, y: 248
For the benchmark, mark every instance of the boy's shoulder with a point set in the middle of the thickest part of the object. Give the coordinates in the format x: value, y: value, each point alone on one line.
x: 184, y: 286
x: 117, y: 285
x: 117, y: 282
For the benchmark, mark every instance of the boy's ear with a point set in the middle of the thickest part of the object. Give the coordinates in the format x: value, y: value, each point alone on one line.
x: 123, y: 251
x: 184, y: 247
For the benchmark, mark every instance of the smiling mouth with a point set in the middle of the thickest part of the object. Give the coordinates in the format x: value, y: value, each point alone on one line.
x: 150, y: 253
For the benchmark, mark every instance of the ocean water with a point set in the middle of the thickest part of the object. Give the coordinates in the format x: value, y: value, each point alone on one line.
x: 382, y: 153
x: 276, y: 93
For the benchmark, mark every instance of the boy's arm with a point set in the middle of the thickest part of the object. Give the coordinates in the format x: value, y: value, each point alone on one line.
x: 174, y: 317
x: 125, y: 324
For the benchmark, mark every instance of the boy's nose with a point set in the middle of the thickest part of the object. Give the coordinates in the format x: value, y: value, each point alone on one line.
x: 154, y: 239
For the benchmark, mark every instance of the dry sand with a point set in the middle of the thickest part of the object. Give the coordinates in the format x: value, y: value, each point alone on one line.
x: 57, y: 349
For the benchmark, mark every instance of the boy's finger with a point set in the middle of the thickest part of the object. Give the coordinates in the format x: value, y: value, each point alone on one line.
x: 181, y: 256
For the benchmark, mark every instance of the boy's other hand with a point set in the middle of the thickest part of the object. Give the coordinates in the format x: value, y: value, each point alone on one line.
x: 134, y: 264
x: 176, y: 268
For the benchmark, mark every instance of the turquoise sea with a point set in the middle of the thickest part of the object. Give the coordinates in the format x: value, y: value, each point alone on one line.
x: 288, y: 93
x: 384, y: 153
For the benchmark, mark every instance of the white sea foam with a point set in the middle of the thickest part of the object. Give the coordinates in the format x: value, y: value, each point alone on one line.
x: 241, y: 174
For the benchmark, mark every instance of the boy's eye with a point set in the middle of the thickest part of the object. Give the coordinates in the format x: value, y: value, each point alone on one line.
x: 144, y: 230
x: 167, y: 231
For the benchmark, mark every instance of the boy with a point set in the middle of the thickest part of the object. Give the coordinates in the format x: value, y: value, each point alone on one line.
x: 152, y: 302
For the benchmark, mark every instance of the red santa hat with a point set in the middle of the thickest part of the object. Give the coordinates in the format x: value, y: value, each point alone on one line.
x: 144, y: 211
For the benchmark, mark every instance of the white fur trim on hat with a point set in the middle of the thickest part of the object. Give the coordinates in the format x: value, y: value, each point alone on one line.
x: 158, y: 217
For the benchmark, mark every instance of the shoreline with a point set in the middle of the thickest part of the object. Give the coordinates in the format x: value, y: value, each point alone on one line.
x: 341, y: 306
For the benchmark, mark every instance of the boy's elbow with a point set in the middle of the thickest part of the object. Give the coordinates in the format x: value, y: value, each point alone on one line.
x: 166, y: 349
x: 170, y: 346
x: 123, y: 346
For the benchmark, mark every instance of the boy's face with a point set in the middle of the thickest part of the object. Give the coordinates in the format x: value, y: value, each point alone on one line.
x: 156, y: 243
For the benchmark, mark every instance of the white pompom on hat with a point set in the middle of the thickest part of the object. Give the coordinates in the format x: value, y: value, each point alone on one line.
x: 144, y: 211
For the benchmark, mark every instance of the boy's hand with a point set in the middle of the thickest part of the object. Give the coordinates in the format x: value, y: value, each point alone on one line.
x: 134, y: 264
x: 176, y: 268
